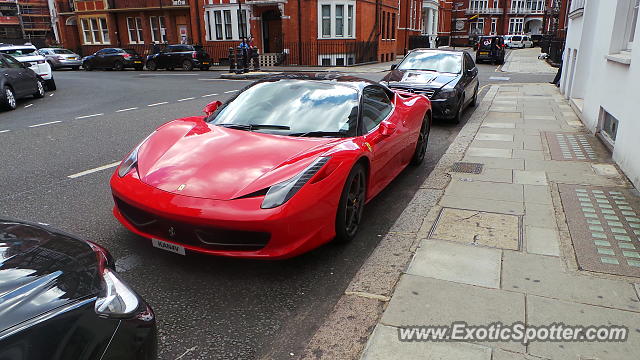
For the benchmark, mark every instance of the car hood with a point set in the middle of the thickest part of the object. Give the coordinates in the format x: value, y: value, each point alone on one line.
x: 29, y: 58
x: 193, y: 158
x: 41, y: 270
x: 418, y: 78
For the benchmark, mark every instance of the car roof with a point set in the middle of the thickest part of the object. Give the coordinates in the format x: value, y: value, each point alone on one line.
x: 327, y: 77
x: 444, y: 51
x: 11, y: 46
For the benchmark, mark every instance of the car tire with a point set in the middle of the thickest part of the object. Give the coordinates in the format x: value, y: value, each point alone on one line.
x: 75, y: 68
x: 351, y: 205
x: 456, y: 119
x: 40, y: 90
x: 474, y: 100
x: 9, y: 101
x: 423, y: 141
x: 86, y: 66
x: 152, y: 65
x: 118, y: 66
x: 187, y: 65
x: 50, y: 84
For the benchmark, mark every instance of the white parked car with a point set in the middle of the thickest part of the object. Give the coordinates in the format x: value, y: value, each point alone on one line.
x: 29, y: 55
x: 514, y: 41
x: 527, y: 42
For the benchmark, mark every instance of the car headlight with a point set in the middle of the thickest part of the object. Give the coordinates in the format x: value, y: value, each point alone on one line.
x: 280, y: 193
x: 131, y: 161
x: 445, y: 94
x: 117, y: 299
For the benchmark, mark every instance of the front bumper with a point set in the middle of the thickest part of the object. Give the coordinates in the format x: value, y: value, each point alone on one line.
x: 235, y: 228
x: 135, y: 338
x: 444, y: 108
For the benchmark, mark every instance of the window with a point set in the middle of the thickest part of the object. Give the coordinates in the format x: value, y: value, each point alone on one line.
x: 477, y: 27
x: 609, y: 127
x: 228, y: 32
x: 631, y: 23
x: 12, y: 63
x: 494, y: 26
x: 336, y: 59
x: 134, y: 27
x: 332, y: 22
x: 393, y: 26
x: 516, y: 25
x: 158, y: 29
x: 375, y: 107
x: 95, y: 30
x: 224, y: 23
x: 477, y: 5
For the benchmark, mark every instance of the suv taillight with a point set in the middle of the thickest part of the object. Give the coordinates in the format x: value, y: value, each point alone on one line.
x: 194, y: 54
x: 126, y: 56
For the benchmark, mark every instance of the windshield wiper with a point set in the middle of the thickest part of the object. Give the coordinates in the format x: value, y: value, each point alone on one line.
x: 251, y: 127
x: 319, y: 133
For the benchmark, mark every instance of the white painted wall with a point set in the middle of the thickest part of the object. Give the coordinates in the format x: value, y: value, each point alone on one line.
x: 603, y: 83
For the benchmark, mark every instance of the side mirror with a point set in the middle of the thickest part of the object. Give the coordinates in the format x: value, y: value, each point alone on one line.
x: 394, y: 66
x: 387, y: 128
x: 211, y: 107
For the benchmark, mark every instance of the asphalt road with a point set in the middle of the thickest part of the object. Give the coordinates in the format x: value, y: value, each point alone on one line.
x: 207, y: 307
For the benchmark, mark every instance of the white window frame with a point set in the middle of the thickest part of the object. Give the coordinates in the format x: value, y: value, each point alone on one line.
x: 95, y: 30
x: 211, y: 33
x: 333, y: 59
x: 494, y: 26
x: 632, y: 24
x: 347, y: 32
x: 161, y: 28
x: 474, y: 25
x: 515, y: 24
x: 136, y: 30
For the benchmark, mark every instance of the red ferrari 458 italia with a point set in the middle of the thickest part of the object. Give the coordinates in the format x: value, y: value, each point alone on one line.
x: 284, y: 167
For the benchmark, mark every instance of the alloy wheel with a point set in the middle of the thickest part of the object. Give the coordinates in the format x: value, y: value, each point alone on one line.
x: 354, y: 204
x: 423, y: 141
x: 11, y: 100
x: 40, y: 89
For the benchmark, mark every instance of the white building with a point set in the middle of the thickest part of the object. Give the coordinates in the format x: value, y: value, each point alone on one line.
x: 430, y: 20
x: 601, y: 75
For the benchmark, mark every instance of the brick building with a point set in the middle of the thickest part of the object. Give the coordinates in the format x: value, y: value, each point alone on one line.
x: 462, y: 20
x: 296, y: 32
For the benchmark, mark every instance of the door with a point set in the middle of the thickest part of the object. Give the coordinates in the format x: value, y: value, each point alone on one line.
x: 99, y: 60
x: 469, y: 77
x: 271, y: 31
x: 383, y: 139
x: 20, y: 78
x: 182, y: 34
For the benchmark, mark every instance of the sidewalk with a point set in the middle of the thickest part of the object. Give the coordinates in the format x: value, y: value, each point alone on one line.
x: 545, y: 231
x: 526, y: 61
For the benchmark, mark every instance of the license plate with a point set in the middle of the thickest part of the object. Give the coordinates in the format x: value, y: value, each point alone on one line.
x: 168, y: 246
x: 137, y: 62
x: 484, y: 53
x: 205, y: 63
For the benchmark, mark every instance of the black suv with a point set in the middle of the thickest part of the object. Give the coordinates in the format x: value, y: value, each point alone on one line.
x: 187, y: 57
x: 490, y: 48
x: 113, y: 58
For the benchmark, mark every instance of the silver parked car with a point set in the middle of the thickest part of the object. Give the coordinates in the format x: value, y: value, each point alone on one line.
x: 61, y: 58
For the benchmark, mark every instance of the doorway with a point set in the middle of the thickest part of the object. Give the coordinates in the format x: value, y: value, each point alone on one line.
x: 271, y: 31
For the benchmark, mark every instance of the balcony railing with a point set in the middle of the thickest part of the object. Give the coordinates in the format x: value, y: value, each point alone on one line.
x: 483, y: 10
x: 137, y: 4
x: 525, y: 11
x: 9, y: 20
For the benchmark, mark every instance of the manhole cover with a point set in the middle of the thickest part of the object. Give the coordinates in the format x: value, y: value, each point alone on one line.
x: 605, y: 228
x: 478, y: 227
x: 575, y: 147
x: 466, y: 167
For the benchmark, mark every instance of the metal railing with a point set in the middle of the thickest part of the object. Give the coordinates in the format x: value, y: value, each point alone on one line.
x: 525, y: 11
x: 483, y: 10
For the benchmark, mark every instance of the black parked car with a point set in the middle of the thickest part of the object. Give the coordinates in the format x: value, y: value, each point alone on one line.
x: 60, y: 299
x: 449, y: 78
x: 113, y: 58
x: 17, y: 81
x: 186, y: 57
x: 490, y: 48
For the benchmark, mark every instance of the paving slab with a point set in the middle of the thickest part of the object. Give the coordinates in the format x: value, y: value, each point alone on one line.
x: 486, y: 190
x: 503, y: 115
x: 450, y: 261
x: 539, y: 215
x: 567, y: 146
x: 497, y: 163
x: 478, y: 228
x: 503, y: 207
x: 493, y: 175
x: 426, y: 301
x: 494, y: 137
x: 532, y: 142
x: 498, y: 125
x: 577, y: 167
x: 499, y: 354
x: 489, y: 152
x: 572, y: 177
x: 543, y: 241
x: 497, y: 144
x: 536, y: 194
x: 527, y: 177
x: 546, y: 276
x: 528, y: 154
x: 544, y: 311
x: 605, y: 228
x: 384, y: 344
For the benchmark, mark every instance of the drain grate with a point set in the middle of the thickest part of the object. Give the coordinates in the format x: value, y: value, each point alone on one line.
x: 466, y: 167
x: 605, y: 228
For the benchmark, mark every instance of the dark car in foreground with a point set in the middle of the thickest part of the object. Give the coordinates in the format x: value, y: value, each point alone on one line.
x: 113, y: 58
x: 60, y: 299
x: 449, y: 78
x: 490, y: 48
x: 186, y: 57
x: 17, y: 81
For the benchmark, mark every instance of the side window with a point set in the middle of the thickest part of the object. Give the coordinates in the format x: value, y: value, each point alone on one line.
x: 3, y: 65
x: 12, y: 63
x: 376, y: 106
x: 101, y: 52
x: 468, y: 61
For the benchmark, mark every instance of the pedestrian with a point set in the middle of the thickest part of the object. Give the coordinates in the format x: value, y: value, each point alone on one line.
x: 556, y: 80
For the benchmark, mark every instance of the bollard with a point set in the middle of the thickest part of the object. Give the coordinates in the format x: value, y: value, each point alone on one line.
x: 245, y: 60
x: 232, y: 61
x: 256, y: 59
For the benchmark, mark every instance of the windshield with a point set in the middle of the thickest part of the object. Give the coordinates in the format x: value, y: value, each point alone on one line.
x: 432, y: 61
x: 17, y: 52
x: 293, y: 107
x: 62, y: 51
x: 516, y: 38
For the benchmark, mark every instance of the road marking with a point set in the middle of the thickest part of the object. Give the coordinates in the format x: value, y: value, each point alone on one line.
x: 91, y: 171
x: 26, y: 106
x: 230, y: 91
x: 209, y: 95
x: 169, y: 75
x: 88, y: 116
x: 160, y: 103
x: 127, y: 109
x: 226, y: 79
x: 500, y: 78
x: 185, y: 99
x: 4, y: 131
x: 47, y: 123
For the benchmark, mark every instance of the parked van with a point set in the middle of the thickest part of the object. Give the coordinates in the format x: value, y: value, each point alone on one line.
x: 527, y: 42
x: 490, y: 48
x: 513, y: 41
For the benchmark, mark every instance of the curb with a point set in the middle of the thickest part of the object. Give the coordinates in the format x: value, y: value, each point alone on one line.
x: 346, y: 331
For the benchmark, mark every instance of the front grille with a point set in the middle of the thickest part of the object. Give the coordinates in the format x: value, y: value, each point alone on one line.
x: 426, y: 92
x: 202, y: 236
